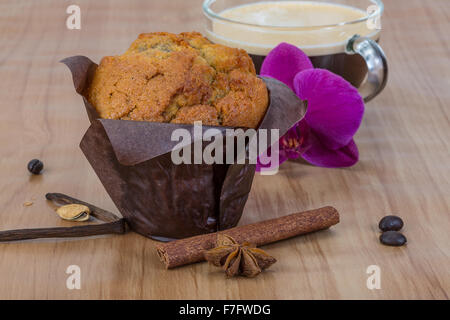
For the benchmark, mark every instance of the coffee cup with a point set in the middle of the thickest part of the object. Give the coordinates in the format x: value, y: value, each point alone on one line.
x: 338, y: 35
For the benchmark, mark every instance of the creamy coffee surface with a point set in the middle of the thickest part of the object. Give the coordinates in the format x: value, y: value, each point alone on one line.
x: 305, y: 24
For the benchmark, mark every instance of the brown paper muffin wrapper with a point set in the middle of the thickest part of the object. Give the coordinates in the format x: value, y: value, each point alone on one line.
x: 157, y: 198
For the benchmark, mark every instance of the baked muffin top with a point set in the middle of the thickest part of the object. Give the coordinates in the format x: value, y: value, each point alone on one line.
x: 180, y: 78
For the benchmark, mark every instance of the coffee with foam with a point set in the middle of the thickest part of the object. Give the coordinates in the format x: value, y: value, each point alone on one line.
x: 318, y: 28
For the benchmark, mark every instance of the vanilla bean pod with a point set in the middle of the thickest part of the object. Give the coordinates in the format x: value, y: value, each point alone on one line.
x: 113, y: 225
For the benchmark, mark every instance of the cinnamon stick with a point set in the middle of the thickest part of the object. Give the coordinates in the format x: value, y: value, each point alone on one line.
x: 191, y: 250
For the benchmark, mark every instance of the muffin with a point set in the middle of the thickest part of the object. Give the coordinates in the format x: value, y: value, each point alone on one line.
x: 180, y: 79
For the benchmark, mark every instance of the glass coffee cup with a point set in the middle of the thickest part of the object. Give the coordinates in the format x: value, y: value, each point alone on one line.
x: 338, y: 35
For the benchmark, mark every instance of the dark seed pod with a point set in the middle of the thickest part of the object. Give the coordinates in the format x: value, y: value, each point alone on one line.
x: 35, y: 166
x: 393, y: 239
x: 391, y: 223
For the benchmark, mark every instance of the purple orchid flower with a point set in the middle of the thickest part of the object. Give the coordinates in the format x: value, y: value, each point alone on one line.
x: 324, y: 137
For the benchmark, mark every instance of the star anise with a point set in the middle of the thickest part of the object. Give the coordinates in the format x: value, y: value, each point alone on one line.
x: 238, y: 259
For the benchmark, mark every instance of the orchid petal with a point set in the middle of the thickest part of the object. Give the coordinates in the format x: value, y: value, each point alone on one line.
x: 284, y: 62
x: 335, y: 107
x: 282, y: 157
x: 321, y: 156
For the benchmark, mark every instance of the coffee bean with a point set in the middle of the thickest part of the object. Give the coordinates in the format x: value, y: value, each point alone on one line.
x: 35, y: 166
x: 393, y: 238
x: 391, y: 223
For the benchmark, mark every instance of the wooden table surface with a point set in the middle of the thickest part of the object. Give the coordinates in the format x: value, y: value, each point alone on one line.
x: 404, y: 168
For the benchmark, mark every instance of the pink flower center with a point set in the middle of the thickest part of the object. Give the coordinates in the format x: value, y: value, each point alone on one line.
x: 292, y: 145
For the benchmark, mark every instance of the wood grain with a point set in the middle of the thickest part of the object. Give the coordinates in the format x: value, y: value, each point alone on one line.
x: 404, y: 168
